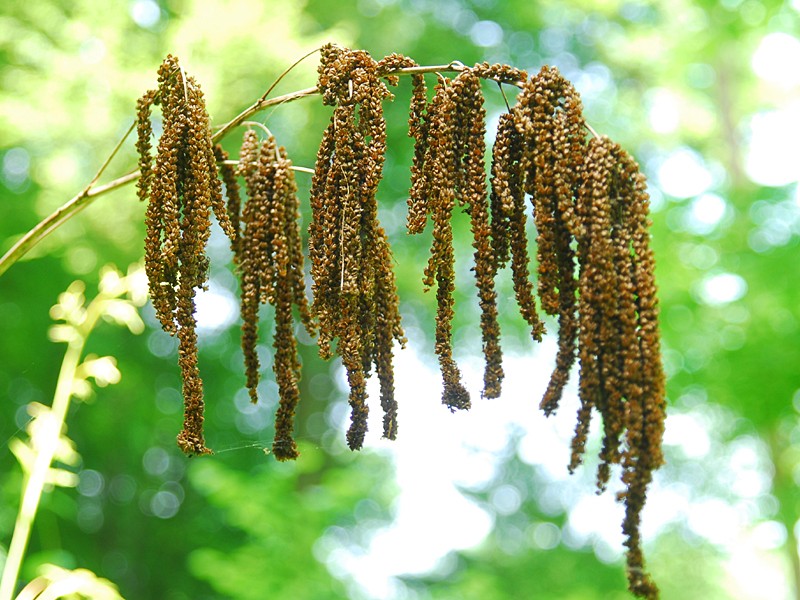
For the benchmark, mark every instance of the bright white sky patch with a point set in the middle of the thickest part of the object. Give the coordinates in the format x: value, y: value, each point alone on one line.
x: 663, y: 111
x: 772, y: 152
x: 776, y: 59
x: 723, y: 288
x: 145, y: 13
x: 750, y: 577
x: 437, y: 452
x: 216, y: 308
x: 591, y: 513
x: 715, y: 520
x: 683, y: 174
x: 769, y: 535
x: 705, y: 212
x: 688, y: 432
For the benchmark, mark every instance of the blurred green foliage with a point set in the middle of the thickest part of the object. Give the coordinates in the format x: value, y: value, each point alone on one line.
x: 240, y: 525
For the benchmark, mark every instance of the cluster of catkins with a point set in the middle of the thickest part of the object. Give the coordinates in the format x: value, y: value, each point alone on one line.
x: 589, y: 207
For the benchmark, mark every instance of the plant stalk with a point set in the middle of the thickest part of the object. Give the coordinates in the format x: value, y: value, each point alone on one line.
x: 48, y: 438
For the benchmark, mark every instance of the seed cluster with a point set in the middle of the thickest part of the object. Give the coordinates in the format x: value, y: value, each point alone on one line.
x: 590, y: 211
x: 548, y: 117
x: 234, y: 202
x: 182, y: 188
x: 355, y: 295
x: 620, y: 367
x: 270, y: 259
x: 594, y: 268
x: 449, y: 169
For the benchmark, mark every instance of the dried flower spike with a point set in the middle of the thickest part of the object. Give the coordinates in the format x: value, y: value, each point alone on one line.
x: 355, y: 297
x: 271, y: 270
x: 548, y: 115
x: 451, y: 169
x: 182, y: 188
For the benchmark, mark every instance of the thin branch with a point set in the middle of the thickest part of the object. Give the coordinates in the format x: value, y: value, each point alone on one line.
x: 260, y: 125
x: 591, y: 130
x: 87, y: 196
x: 261, y: 104
x: 503, y: 93
x: 235, y: 163
x: 56, y: 219
x: 111, y: 156
x: 286, y: 72
x: 64, y: 212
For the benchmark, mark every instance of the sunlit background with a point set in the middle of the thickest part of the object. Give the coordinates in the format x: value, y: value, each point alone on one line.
x: 478, y: 505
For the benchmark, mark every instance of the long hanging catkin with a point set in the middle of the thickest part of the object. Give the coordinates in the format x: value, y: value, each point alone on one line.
x: 182, y: 189
x: 432, y: 193
x: 508, y: 208
x: 590, y: 204
x: 620, y: 373
x: 271, y: 269
x: 355, y: 297
x: 548, y: 114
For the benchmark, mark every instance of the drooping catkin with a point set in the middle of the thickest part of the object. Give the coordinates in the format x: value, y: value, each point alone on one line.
x: 508, y: 217
x: 620, y: 367
x: 355, y: 297
x: 434, y: 183
x: 474, y: 196
x: 256, y: 270
x: 451, y: 169
x: 182, y: 188
x: 271, y: 271
x: 233, y: 206
x: 144, y: 131
x: 643, y: 369
x: 548, y: 114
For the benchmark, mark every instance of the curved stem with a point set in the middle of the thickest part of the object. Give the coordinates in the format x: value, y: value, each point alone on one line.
x: 259, y: 105
x: 235, y: 163
x: 56, y: 219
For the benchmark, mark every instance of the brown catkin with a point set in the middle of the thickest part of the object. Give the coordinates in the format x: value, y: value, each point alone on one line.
x: 472, y: 117
x: 620, y: 366
x: 355, y: 297
x: 452, y: 168
x: 182, y: 187
x: 271, y: 268
x: 289, y: 263
x: 500, y: 73
x: 201, y: 190
x: 595, y: 270
x: 590, y: 204
x: 645, y: 419
x: 599, y: 286
x: 144, y: 131
x: 256, y: 165
x: 508, y: 217
x: 439, y: 174
x: 548, y: 114
x: 234, y: 203
x: 418, y: 128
